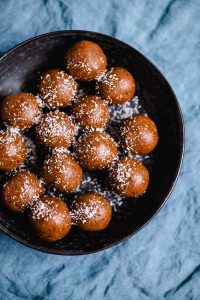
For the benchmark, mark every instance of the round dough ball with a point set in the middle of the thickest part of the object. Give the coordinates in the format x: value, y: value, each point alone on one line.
x: 90, y: 111
x: 57, y: 88
x: 55, y: 130
x: 129, y: 177
x: 50, y: 218
x: 62, y: 171
x: 96, y: 150
x: 20, y: 190
x: 139, y: 135
x: 20, y: 110
x: 91, y: 212
x: 117, y: 86
x: 12, y: 150
x: 85, y: 60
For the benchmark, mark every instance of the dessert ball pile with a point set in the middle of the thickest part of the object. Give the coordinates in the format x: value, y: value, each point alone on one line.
x: 75, y: 143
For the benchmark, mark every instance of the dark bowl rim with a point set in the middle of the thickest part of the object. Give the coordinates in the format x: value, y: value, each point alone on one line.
x: 176, y: 173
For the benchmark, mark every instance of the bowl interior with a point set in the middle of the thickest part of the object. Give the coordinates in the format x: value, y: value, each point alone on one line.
x: 20, y: 70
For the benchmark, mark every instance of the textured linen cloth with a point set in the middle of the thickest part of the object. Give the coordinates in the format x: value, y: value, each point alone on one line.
x: 162, y: 261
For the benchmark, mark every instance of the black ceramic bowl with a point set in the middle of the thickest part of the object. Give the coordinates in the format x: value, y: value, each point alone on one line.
x: 19, y: 71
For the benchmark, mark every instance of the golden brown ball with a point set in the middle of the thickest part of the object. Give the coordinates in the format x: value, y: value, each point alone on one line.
x: 90, y: 111
x: 12, y: 150
x: 129, y: 177
x: 85, y: 60
x: 91, y: 212
x: 62, y: 171
x: 20, y: 190
x: 96, y: 150
x: 20, y: 110
x: 116, y: 85
x: 57, y: 88
x: 50, y: 218
x: 55, y: 130
x: 139, y: 135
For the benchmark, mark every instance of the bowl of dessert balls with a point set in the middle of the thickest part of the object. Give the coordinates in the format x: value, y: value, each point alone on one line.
x: 91, y: 142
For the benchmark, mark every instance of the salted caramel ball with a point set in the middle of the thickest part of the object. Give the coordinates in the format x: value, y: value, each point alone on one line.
x: 50, y: 218
x: 62, y: 171
x: 57, y: 88
x: 55, y: 130
x: 85, y: 60
x: 12, y: 150
x: 116, y: 85
x: 20, y: 110
x: 20, y: 190
x: 139, y: 134
x: 90, y: 111
x: 129, y: 177
x: 91, y: 212
x: 96, y: 150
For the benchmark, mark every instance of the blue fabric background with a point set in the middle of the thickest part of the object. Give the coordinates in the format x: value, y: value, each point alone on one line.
x: 163, y: 260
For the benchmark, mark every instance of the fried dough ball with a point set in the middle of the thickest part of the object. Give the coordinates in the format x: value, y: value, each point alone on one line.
x: 62, y: 171
x: 20, y: 110
x: 50, y: 218
x: 55, y: 130
x: 96, y: 150
x: 20, y: 190
x: 12, y: 150
x: 90, y: 111
x: 116, y: 85
x: 85, y: 60
x: 139, y: 135
x: 57, y: 88
x: 91, y: 212
x: 129, y: 177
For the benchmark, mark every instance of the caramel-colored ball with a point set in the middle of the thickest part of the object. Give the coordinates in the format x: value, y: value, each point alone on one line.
x: 20, y: 110
x: 91, y: 212
x: 129, y: 177
x: 57, y: 88
x: 55, y: 130
x: 90, y: 111
x: 12, y: 150
x: 62, y: 171
x: 117, y: 86
x: 96, y: 150
x: 20, y: 190
x: 50, y: 218
x: 85, y: 60
x: 139, y: 135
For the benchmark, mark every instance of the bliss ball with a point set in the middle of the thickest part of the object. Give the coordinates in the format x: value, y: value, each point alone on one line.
x: 57, y: 88
x: 90, y: 111
x: 12, y: 150
x: 96, y: 150
x: 20, y: 190
x: 50, y: 218
x: 116, y: 85
x: 91, y: 212
x: 55, y: 130
x: 139, y: 135
x: 62, y: 171
x: 129, y: 177
x: 20, y: 110
x: 85, y: 60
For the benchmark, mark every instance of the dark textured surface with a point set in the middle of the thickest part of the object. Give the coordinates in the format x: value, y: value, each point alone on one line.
x: 161, y: 261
